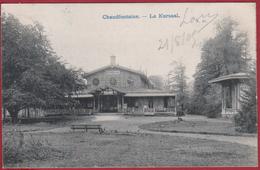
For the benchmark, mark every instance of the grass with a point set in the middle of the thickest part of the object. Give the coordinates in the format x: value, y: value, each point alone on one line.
x: 130, y: 150
x: 16, y: 149
x: 195, y: 126
x: 38, y: 126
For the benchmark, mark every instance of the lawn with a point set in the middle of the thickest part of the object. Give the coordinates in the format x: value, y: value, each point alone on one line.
x: 81, y: 149
x: 38, y: 126
x: 195, y: 126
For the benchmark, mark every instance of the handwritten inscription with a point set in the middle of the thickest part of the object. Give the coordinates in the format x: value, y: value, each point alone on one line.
x: 187, y: 37
x: 204, y: 19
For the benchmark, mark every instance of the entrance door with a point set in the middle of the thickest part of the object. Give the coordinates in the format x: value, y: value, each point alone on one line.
x: 109, y: 103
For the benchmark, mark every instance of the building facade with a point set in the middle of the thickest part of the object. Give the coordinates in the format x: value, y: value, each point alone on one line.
x: 115, y: 88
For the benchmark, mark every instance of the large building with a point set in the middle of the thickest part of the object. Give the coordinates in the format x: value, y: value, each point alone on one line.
x: 115, y: 88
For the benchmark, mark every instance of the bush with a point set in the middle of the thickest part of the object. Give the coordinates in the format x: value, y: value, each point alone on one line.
x: 213, y: 103
x: 246, y: 119
x: 207, y: 104
x: 16, y: 149
x: 12, y: 146
x: 213, y: 110
x: 245, y: 122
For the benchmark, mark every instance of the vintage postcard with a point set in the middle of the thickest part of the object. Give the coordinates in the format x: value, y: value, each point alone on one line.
x: 129, y: 85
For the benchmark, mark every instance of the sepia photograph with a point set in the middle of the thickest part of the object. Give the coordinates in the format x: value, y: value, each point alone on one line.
x: 89, y: 85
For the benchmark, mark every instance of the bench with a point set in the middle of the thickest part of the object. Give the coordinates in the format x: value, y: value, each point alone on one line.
x: 87, y: 126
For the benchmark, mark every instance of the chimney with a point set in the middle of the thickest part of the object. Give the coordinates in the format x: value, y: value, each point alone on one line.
x: 112, y: 60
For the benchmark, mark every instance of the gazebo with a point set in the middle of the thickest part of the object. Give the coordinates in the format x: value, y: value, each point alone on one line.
x: 232, y: 85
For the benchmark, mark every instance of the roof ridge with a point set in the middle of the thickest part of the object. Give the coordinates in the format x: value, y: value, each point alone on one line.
x: 114, y: 66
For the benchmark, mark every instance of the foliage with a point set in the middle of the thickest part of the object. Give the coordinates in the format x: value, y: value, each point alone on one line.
x: 18, y: 149
x: 33, y: 76
x: 246, y: 119
x: 213, y: 102
x: 226, y: 53
x: 157, y: 81
x: 12, y: 147
x: 177, y: 83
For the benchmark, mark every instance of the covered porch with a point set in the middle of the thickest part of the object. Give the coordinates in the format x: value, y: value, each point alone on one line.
x: 110, y: 100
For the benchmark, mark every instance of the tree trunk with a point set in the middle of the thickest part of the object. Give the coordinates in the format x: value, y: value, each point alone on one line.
x: 4, y: 109
x: 14, y: 115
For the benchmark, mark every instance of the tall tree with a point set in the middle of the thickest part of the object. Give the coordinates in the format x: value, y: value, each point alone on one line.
x: 32, y: 73
x: 224, y: 54
x: 177, y: 82
x: 157, y: 81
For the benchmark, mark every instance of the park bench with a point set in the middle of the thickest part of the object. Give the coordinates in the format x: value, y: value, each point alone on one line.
x: 87, y: 126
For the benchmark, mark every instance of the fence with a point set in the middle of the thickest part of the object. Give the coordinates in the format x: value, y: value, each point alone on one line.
x: 40, y: 113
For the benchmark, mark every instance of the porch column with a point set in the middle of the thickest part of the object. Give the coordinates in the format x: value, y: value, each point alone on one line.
x: 118, y: 103
x: 94, y: 104
x: 122, y: 106
x: 98, y: 103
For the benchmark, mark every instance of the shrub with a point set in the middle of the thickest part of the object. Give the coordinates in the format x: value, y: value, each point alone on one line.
x: 207, y: 104
x: 246, y: 118
x: 12, y: 146
x: 212, y: 106
x: 16, y: 149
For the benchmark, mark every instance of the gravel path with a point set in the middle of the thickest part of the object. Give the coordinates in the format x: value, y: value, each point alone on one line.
x: 116, y: 122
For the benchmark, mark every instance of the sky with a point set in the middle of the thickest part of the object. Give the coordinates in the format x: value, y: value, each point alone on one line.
x: 155, y: 36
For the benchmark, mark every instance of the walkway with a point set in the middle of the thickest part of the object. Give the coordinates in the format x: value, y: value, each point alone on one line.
x: 120, y: 123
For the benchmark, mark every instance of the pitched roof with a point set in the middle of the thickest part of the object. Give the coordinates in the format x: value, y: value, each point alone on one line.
x: 235, y: 76
x: 114, y: 66
x: 121, y: 68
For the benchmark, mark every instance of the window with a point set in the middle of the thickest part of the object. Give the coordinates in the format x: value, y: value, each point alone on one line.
x: 95, y: 81
x: 130, y: 82
x: 113, y: 81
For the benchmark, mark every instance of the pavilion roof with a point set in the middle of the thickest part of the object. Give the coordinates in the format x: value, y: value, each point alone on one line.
x: 229, y: 77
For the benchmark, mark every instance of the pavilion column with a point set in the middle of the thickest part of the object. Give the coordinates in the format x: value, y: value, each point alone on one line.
x: 223, y: 99
x: 175, y: 104
x: 238, y: 96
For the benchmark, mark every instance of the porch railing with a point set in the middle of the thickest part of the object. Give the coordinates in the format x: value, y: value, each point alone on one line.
x: 148, y: 110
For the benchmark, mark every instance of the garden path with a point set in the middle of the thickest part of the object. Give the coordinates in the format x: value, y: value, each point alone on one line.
x: 119, y: 123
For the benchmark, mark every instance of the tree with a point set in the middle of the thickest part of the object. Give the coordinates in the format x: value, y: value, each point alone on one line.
x: 32, y: 73
x: 177, y: 83
x: 157, y: 81
x: 226, y: 53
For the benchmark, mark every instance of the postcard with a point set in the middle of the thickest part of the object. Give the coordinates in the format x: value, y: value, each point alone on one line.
x: 90, y: 85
